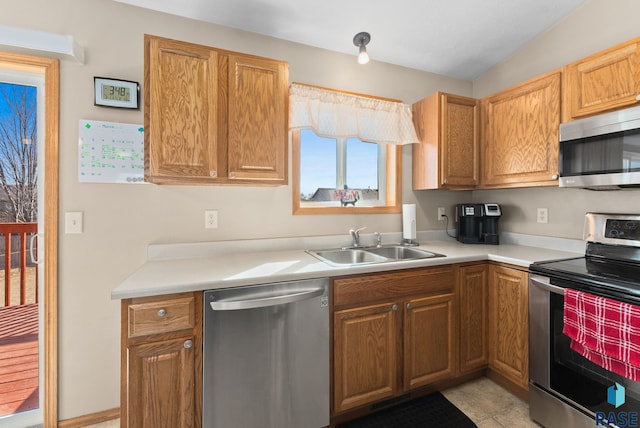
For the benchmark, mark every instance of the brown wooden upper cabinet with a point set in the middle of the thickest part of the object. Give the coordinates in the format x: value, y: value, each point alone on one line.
x: 213, y: 116
x: 520, y: 134
x: 607, y: 80
x: 448, y: 154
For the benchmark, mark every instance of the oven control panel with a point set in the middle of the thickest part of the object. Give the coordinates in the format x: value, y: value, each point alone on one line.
x: 622, y: 229
x: 616, y: 229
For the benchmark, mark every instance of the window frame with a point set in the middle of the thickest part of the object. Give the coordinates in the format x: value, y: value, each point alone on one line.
x: 392, y: 193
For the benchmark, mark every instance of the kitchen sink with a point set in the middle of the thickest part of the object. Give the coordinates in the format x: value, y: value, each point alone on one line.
x: 347, y: 256
x: 368, y: 255
x: 398, y: 252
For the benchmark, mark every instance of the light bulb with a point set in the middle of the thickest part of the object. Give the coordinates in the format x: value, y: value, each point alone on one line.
x: 363, y: 56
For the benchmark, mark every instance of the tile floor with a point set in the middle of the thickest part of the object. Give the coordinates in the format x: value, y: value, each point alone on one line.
x: 489, y: 405
x: 485, y: 402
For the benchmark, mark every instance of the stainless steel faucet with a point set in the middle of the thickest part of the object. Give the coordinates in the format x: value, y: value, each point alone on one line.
x: 355, y: 235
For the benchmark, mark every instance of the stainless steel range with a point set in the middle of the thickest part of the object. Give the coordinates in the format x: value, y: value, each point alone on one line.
x: 567, y: 389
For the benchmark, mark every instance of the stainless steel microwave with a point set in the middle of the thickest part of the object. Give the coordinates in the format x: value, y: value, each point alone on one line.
x: 602, y: 151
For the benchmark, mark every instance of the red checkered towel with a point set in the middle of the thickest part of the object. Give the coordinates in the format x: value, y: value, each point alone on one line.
x: 604, y: 331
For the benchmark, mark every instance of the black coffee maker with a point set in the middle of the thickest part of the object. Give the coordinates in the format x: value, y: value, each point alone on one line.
x: 477, y: 223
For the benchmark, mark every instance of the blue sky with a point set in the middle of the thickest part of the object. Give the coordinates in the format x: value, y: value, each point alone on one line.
x: 9, y: 88
x: 318, y: 163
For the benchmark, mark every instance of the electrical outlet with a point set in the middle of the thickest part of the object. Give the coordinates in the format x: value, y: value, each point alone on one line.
x: 441, y: 214
x: 211, y: 219
x: 543, y: 215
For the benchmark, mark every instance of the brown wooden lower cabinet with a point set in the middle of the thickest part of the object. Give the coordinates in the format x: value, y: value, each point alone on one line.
x: 509, y: 323
x: 392, y: 333
x: 162, y: 384
x: 365, y: 355
x: 473, y: 293
x: 430, y: 351
x: 162, y: 361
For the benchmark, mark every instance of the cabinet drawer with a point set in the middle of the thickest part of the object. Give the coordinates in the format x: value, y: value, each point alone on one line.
x: 368, y: 288
x: 161, y: 316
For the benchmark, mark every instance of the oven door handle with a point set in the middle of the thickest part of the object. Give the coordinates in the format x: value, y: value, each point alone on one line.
x: 543, y: 283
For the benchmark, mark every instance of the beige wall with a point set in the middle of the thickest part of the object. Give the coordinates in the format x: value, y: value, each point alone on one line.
x: 121, y: 220
x: 597, y: 25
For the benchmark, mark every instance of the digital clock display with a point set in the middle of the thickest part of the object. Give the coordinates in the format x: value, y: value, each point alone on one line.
x: 116, y: 93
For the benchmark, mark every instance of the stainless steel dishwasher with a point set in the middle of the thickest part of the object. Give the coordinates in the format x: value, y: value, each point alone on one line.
x: 266, y: 356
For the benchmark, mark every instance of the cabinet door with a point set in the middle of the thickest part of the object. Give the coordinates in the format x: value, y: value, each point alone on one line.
x: 474, y: 319
x: 509, y: 324
x: 180, y: 111
x: 459, y: 162
x: 258, y: 109
x: 162, y: 384
x: 520, y: 134
x: 447, y: 156
x: 429, y: 340
x: 365, y: 355
x: 604, y: 81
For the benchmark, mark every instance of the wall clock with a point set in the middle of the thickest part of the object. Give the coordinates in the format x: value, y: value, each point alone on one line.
x: 116, y: 93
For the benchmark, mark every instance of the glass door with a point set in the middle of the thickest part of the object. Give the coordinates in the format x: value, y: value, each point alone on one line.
x: 21, y: 215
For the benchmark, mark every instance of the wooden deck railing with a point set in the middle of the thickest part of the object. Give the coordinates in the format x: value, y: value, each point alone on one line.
x: 24, y: 231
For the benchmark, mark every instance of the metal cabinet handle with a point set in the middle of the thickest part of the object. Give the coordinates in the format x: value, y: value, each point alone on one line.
x: 162, y: 313
x: 408, y: 305
x: 213, y: 173
x: 638, y: 97
x: 445, y: 181
x: 394, y: 307
x: 188, y: 344
x: 554, y: 177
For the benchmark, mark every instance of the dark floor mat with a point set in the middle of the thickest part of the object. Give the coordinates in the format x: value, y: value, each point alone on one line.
x: 432, y: 410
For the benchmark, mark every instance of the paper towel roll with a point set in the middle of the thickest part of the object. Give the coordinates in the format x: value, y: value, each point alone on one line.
x: 409, y: 221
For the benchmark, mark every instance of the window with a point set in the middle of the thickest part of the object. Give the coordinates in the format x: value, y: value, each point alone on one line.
x: 347, y: 151
x: 344, y: 175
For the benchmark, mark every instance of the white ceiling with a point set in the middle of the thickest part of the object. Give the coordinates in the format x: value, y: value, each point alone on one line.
x: 457, y: 38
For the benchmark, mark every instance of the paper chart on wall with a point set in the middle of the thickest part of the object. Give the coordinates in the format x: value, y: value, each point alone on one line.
x: 110, y: 152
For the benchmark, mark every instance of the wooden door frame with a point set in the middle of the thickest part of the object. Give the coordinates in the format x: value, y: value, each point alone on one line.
x: 49, y: 68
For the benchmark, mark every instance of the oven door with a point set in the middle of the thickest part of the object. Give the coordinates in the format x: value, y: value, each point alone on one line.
x: 561, y: 373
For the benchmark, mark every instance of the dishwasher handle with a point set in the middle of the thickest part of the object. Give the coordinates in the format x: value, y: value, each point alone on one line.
x: 265, y: 301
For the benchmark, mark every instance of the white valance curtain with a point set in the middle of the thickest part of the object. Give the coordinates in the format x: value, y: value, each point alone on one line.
x: 336, y: 114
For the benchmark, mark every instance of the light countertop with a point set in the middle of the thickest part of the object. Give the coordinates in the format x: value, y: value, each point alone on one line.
x: 177, y: 268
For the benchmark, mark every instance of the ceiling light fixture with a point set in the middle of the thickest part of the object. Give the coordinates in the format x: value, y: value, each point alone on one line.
x: 361, y: 40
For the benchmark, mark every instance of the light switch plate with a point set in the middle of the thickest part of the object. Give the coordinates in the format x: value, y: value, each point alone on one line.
x: 73, y: 222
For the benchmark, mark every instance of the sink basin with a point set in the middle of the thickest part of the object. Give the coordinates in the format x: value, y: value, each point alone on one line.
x: 403, y: 253
x: 358, y: 256
x: 348, y: 256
